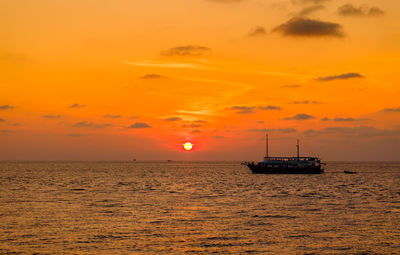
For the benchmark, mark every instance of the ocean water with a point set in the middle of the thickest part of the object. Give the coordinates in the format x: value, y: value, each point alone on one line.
x: 197, y: 208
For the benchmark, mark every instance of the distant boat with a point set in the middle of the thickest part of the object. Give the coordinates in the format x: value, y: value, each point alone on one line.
x: 349, y: 172
x: 286, y: 165
x: 134, y: 160
x: 169, y: 160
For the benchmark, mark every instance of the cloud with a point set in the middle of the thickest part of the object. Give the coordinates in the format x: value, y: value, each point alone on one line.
x: 305, y: 102
x: 305, y: 27
x: 257, y: 31
x: 112, y: 116
x: 300, y: 116
x: 269, y: 107
x: 391, y: 109
x: 77, y: 105
x: 133, y: 117
x: 189, y: 50
x: 75, y: 135
x: 290, y: 86
x: 343, y: 119
x: 200, y: 121
x: 351, y: 10
x: 364, y: 131
x: 308, y: 10
x: 200, y: 112
x: 195, y: 131
x: 309, y: 1
x: 260, y: 122
x: 243, y: 109
x: 151, y: 76
x: 251, y: 109
x: 140, y: 125
x: 90, y: 124
x: 280, y: 130
x: 299, y: 102
x: 218, y: 137
x: 166, y: 65
x: 49, y: 116
x: 191, y: 125
x: 173, y: 119
x: 6, y: 131
x: 375, y: 11
x: 2, y: 120
x: 226, y: 1
x: 340, y: 77
x: 102, y: 125
x: 6, y: 107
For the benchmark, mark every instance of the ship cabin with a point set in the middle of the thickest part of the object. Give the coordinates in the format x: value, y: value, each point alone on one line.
x: 290, y: 162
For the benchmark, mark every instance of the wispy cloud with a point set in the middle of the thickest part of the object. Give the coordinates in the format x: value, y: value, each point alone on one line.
x: 195, y: 131
x: 199, y: 112
x: 252, y: 109
x: 280, y: 130
x: 340, y: 77
x: 188, y: 50
x: 226, y: 1
x: 351, y: 10
x: 173, y: 119
x: 200, y: 121
x: 177, y: 65
x: 191, y: 125
x: 218, y: 137
x: 364, y: 131
x: 50, y: 116
x: 269, y: 107
x: 75, y: 135
x: 6, y: 131
x: 257, y: 31
x: 90, y: 124
x: 2, y: 120
x: 340, y: 119
x: 391, y: 109
x: 76, y: 105
x: 111, y: 116
x: 308, y: 10
x: 305, y: 27
x: 243, y: 109
x: 6, y: 107
x: 309, y: 1
x: 140, y: 125
x: 300, y: 116
x: 291, y: 86
x: 305, y: 102
x: 151, y: 76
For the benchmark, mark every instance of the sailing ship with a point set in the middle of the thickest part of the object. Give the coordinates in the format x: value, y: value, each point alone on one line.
x: 286, y: 165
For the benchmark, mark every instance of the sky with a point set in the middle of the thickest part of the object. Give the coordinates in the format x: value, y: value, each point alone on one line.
x: 124, y: 79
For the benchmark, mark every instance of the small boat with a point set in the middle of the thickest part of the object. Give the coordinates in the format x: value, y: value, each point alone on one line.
x: 349, y: 172
x: 286, y: 165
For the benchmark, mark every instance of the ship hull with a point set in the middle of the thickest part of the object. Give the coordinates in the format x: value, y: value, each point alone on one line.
x: 257, y: 169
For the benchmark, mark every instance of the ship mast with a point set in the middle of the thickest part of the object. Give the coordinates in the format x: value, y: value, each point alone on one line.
x: 298, y: 148
x: 266, y: 144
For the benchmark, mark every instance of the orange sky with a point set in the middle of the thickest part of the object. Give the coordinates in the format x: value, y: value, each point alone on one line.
x: 104, y: 80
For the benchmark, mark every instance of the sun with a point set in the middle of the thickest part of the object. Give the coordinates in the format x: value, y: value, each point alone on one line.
x: 188, y: 146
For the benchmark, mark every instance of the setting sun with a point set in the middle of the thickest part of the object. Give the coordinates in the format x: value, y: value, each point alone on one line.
x: 188, y: 146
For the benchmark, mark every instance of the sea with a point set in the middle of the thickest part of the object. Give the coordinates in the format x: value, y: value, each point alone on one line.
x: 197, y: 208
